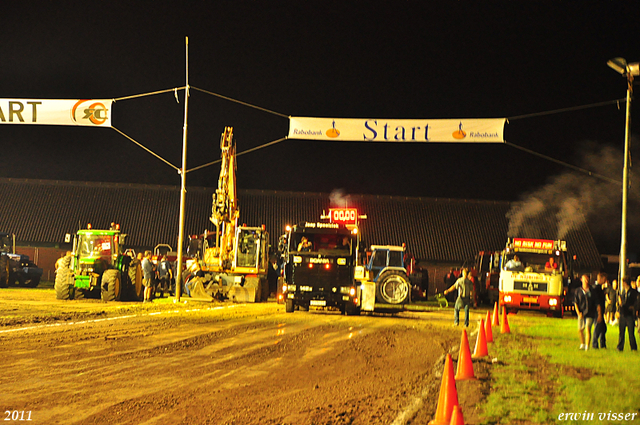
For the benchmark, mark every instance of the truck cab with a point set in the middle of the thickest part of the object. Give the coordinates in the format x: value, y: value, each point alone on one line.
x: 319, y: 267
x: 533, y: 273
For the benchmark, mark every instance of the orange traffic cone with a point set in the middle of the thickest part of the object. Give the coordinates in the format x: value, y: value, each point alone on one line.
x: 456, y: 417
x: 496, y: 318
x: 481, y: 343
x: 504, y: 328
x: 448, y: 395
x: 465, y: 365
x: 487, y: 328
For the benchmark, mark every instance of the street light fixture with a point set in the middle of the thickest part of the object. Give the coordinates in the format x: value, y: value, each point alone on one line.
x: 629, y: 70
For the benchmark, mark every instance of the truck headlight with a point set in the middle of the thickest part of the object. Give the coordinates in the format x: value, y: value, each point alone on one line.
x: 553, y: 301
x: 507, y: 298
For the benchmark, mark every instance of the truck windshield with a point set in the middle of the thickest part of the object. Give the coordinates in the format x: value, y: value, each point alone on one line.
x: 328, y: 244
x: 95, y: 246
x: 533, y: 263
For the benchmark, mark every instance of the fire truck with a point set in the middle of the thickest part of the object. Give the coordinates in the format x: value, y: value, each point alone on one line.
x: 533, y: 275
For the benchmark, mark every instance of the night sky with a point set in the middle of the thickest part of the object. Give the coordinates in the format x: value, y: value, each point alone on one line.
x: 395, y: 59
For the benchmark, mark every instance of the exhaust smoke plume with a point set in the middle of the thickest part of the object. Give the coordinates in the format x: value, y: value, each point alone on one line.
x: 339, y: 199
x: 573, y: 199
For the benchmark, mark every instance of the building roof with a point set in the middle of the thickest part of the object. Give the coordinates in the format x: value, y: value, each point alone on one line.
x: 434, y: 229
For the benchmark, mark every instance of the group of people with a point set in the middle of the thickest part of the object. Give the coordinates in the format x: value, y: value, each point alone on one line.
x: 155, y: 276
x: 603, y: 304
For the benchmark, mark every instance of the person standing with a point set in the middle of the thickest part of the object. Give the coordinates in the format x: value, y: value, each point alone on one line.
x: 63, y: 261
x: 600, y: 331
x: 585, y: 305
x: 627, y: 314
x: 450, y: 279
x: 273, y: 272
x: 165, y: 274
x: 637, y: 287
x: 464, y: 287
x: 611, y: 303
x: 148, y: 275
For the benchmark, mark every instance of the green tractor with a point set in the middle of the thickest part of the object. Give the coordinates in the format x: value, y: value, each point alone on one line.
x: 99, y: 268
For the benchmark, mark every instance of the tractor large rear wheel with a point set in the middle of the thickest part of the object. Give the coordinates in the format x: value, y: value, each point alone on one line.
x: 64, y: 284
x: 135, y: 280
x: 393, y: 287
x: 111, y: 285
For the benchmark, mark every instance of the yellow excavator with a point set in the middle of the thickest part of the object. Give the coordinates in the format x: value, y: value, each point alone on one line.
x: 232, y: 263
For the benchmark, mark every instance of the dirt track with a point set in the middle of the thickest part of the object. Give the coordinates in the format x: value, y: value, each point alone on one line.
x: 93, y: 363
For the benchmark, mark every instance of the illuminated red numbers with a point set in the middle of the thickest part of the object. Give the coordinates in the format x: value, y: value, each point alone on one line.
x: 344, y: 215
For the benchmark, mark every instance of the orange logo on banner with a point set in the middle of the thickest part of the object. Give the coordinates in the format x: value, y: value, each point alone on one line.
x: 333, y: 132
x: 96, y: 112
x: 460, y: 134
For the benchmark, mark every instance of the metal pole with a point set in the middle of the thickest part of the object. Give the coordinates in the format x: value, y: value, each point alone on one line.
x: 625, y: 183
x: 183, y: 178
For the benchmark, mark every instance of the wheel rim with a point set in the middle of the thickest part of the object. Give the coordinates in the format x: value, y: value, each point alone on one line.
x: 394, y: 290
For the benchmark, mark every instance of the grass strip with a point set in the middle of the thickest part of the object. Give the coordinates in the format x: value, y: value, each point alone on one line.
x: 540, y: 374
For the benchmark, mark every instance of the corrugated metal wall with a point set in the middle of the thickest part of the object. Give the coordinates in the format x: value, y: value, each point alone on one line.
x: 440, y: 230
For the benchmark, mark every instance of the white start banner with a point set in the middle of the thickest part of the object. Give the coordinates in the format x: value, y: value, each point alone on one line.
x: 92, y: 113
x: 489, y: 130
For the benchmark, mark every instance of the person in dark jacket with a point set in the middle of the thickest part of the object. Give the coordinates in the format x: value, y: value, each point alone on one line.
x: 611, y: 303
x: 586, y: 309
x: 600, y: 331
x: 449, y: 279
x: 273, y: 272
x: 626, y: 314
x: 165, y: 274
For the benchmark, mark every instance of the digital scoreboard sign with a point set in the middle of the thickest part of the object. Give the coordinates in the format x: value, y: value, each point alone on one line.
x: 343, y: 215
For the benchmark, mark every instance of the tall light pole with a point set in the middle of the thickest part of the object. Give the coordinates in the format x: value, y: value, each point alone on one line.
x: 183, y: 178
x: 629, y: 70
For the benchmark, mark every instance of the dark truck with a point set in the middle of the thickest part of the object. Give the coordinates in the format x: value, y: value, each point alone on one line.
x: 16, y: 269
x: 320, y: 260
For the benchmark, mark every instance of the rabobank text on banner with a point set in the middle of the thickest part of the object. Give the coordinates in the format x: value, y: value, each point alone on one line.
x: 92, y: 113
x: 488, y: 130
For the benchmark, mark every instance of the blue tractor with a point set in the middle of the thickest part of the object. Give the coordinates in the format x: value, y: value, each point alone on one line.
x: 389, y: 277
x: 16, y: 269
